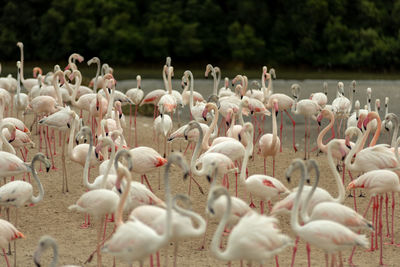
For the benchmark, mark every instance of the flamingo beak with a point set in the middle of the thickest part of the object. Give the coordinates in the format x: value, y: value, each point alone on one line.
x: 240, y: 137
x: 48, y: 168
x: 120, y: 115
x: 68, y: 125
x: 209, y: 179
x: 185, y: 175
x: 288, y: 179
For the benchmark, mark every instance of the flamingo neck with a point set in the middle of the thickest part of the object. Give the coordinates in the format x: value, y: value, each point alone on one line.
x: 165, y: 79
x: 211, y: 128
x: 36, y: 199
x: 322, y: 134
x: 8, y: 146
x: 190, y: 80
x: 86, y: 182
x: 121, y: 204
x: 341, y: 191
x: 241, y: 121
x: 274, y: 128
x: 357, y: 147
x: 378, y: 129
x: 96, y: 79
x: 55, y: 254
x: 216, y: 240
x: 294, y: 220
x: 396, y: 130
x: 248, y: 151
x: 196, y: 152
x: 21, y: 48
x: 109, y: 143
x: 57, y: 88
x: 71, y: 138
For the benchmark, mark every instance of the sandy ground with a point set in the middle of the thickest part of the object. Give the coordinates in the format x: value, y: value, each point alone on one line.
x: 51, y: 216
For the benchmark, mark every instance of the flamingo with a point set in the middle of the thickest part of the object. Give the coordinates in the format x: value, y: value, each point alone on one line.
x: 262, y: 186
x: 125, y: 242
x: 97, y: 79
x: 162, y: 126
x: 377, y: 182
x: 321, y: 97
x: 387, y: 124
x: 241, y: 241
x: 308, y: 108
x: 8, y: 233
x: 46, y: 242
x: 27, y: 83
x: 98, y: 202
x: 136, y: 95
x: 196, y: 107
x: 353, y: 119
x: 270, y: 143
x: 223, y: 162
x: 10, y: 128
x: 167, y: 102
x: 327, y: 235
x: 341, y: 104
x: 62, y: 120
x: 197, y: 97
x: 225, y: 90
x: 284, y: 103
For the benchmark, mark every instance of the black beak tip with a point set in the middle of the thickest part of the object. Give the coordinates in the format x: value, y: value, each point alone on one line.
x: 97, y: 108
x: 348, y: 146
x: 119, y: 190
x: 186, y: 137
x: 227, y: 123
x: 319, y: 123
x: 343, y: 158
x: 308, y: 181
x: 97, y: 154
x: 211, y: 210
x: 288, y: 179
x: 68, y: 125
x: 239, y: 137
x: 205, y: 118
x: 120, y: 116
x: 77, y: 142
x: 276, y: 113
x: 185, y: 175
x: 47, y: 169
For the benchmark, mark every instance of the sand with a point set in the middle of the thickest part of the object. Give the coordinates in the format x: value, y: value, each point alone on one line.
x: 52, y: 217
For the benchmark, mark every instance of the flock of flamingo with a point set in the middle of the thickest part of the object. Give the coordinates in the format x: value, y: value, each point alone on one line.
x: 61, y: 104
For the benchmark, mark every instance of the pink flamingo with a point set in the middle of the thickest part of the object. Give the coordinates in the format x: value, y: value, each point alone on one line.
x: 125, y: 243
x: 62, y: 120
x: 321, y: 97
x: 284, y: 103
x: 46, y: 242
x: 262, y: 186
x: 308, y: 108
x: 8, y: 233
x: 136, y: 96
x: 20, y: 193
x: 167, y: 102
x: 20, y: 100
x: 377, y: 182
x: 270, y: 143
x: 240, y: 246
x: 327, y: 235
x: 162, y: 125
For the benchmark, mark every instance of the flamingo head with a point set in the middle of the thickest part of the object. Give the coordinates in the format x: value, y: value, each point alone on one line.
x: 361, y: 120
x: 378, y: 104
x: 276, y: 108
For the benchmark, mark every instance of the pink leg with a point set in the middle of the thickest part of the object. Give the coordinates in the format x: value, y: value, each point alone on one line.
x: 49, y: 145
x: 276, y: 261
x: 151, y: 260
x: 53, y: 136
x: 280, y: 132
x: 40, y: 145
x: 5, y: 257
x: 158, y: 258
x: 305, y: 139
x: 204, y: 236
x: 308, y: 254
x: 377, y: 222
x: 354, y: 191
x: 190, y: 185
x: 261, y: 207
x: 380, y: 232
x: 273, y: 166
x: 147, y: 182
x: 294, y: 126
x: 294, y: 251
x: 265, y: 166
x: 387, y: 215
x: 354, y: 248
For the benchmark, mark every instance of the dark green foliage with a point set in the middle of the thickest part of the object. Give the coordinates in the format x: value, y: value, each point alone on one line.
x: 358, y: 34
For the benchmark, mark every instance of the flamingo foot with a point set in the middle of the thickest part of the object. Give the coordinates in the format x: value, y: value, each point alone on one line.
x: 54, y: 168
x: 31, y: 205
x: 84, y: 226
x: 252, y: 205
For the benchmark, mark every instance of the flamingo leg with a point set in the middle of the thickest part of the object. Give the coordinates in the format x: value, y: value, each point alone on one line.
x: 305, y: 138
x: 15, y: 240
x: 261, y: 207
x: 265, y: 166
x: 49, y: 146
x: 158, y: 258
x: 175, y: 254
x: 65, y: 178
x: 308, y: 254
x: 98, y: 241
x: 280, y: 132
x: 354, y: 191
x: 387, y: 215
x: 5, y: 257
x: 294, y: 250
x: 147, y: 182
x: 377, y: 209
x: 354, y: 248
x: 294, y: 126
x: 130, y: 126
x: 380, y: 232
x: 326, y: 260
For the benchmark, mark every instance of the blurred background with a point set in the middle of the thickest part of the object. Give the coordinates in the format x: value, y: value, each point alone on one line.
x: 300, y: 39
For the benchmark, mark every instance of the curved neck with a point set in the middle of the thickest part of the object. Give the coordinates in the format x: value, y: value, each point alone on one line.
x: 38, y: 198
x: 396, y: 149
x: 55, y: 254
x: 218, y: 73
x: 78, y: 81
x: 395, y: 129
x: 378, y: 129
x: 8, y: 146
x: 241, y: 121
x: 341, y: 191
x: 233, y: 121
x: 269, y: 88
x: 304, y: 209
x: 294, y: 220
x: 211, y: 128
x: 170, y: 80
x: 86, y: 182
x: 196, y: 152
x: 109, y: 143
x: 110, y: 100
x: 247, y: 153
x: 322, y: 134
x: 18, y: 88
x: 122, y: 200
x: 215, y: 90
x: 57, y: 88
x: 353, y: 151
x: 216, y: 240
